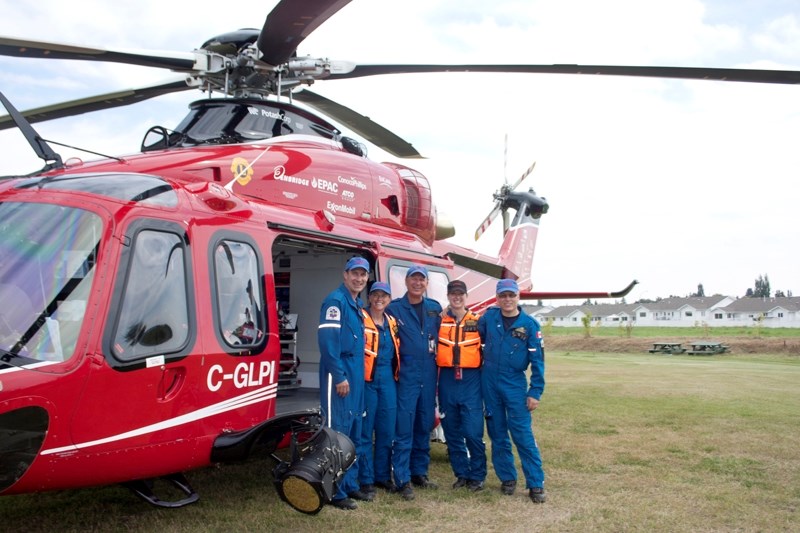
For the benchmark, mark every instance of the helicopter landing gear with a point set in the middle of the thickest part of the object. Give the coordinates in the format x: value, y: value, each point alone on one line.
x: 144, y: 489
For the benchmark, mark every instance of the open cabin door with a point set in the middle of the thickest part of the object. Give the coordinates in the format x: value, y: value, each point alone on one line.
x: 306, y: 271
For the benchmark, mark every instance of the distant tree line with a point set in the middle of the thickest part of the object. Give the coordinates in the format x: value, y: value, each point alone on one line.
x: 760, y: 289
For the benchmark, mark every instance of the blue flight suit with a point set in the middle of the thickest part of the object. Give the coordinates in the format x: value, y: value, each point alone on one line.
x: 341, y: 347
x: 506, y: 356
x: 461, y: 408
x: 380, y: 400
x: 416, y: 386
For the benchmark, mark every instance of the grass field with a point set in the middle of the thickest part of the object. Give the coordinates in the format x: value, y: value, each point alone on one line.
x: 631, y: 442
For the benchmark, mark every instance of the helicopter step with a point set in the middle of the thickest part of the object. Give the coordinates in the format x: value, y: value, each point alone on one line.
x: 144, y: 489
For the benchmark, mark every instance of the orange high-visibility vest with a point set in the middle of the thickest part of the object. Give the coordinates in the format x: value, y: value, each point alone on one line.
x: 371, y: 336
x: 459, y: 342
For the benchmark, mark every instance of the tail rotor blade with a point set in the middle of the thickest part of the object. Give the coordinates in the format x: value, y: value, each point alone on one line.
x: 488, y: 220
x: 524, y: 175
x: 505, y: 159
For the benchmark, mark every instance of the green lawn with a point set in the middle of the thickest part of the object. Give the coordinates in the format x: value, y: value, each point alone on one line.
x: 631, y: 442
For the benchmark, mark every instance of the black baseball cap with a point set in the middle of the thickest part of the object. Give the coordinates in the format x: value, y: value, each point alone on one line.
x: 456, y: 286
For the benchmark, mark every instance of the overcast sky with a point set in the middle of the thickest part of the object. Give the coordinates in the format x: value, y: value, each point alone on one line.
x: 674, y: 183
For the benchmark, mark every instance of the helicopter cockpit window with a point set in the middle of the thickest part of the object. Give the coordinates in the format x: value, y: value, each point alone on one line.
x: 207, y: 124
x: 243, y: 121
x: 47, y: 264
x: 154, y: 315
x: 264, y: 123
x: 239, y: 297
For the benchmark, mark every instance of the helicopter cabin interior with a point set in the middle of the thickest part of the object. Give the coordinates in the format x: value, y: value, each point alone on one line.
x: 305, y: 273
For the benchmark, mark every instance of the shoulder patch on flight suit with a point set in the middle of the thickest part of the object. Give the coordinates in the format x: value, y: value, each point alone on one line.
x: 333, y: 313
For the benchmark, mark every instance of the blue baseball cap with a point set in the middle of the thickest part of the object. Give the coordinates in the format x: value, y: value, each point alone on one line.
x: 417, y: 269
x: 507, y: 285
x: 380, y: 286
x: 356, y: 262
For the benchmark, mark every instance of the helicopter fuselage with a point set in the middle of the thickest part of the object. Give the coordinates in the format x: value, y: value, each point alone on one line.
x: 144, y: 298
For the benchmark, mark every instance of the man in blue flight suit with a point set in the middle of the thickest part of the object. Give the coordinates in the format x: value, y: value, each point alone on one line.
x: 512, y: 341
x: 418, y: 320
x: 341, y: 369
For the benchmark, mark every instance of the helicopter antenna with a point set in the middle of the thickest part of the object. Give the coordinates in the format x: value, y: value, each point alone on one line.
x: 43, y: 150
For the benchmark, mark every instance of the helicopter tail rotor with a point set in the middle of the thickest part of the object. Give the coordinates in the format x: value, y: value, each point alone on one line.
x: 501, y: 203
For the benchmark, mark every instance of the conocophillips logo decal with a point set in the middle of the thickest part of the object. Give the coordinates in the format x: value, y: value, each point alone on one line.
x: 242, y: 171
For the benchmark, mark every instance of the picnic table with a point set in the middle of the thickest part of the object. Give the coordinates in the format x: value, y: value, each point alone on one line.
x: 667, y: 348
x: 707, y: 348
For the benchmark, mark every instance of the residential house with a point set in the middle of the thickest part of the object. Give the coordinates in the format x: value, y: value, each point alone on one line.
x: 602, y: 315
x: 713, y: 311
x: 680, y: 312
x: 781, y: 312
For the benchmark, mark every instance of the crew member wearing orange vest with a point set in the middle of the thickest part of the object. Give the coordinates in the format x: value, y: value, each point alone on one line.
x: 381, y: 369
x: 460, y: 398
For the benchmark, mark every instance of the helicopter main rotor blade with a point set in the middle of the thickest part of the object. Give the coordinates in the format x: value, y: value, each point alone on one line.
x: 95, y: 103
x: 488, y: 220
x: 289, y: 23
x: 693, y: 73
x: 364, y: 126
x: 38, y: 49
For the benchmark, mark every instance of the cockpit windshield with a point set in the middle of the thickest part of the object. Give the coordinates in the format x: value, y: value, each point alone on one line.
x: 47, y: 264
x: 240, y: 120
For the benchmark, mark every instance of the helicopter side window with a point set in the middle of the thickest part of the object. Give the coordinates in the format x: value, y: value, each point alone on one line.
x: 239, y: 297
x: 154, y: 314
x: 437, y: 282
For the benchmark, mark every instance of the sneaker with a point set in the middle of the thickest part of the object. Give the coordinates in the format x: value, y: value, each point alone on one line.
x: 460, y: 483
x: 537, y: 495
x: 388, y: 486
x: 362, y: 496
x: 423, y: 482
x: 474, y: 485
x: 345, y: 503
x: 406, y: 492
x: 508, y: 487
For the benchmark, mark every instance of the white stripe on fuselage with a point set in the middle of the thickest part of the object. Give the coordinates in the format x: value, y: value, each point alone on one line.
x: 256, y: 396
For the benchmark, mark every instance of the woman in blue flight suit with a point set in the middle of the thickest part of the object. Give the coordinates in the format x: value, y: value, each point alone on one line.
x: 512, y: 341
x: 381, y: 367
x: 460, y: 397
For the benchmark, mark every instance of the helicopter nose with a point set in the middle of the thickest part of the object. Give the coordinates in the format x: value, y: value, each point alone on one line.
x: 22, y: 433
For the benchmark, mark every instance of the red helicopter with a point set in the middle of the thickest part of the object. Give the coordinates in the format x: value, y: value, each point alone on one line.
x: 158, y: 304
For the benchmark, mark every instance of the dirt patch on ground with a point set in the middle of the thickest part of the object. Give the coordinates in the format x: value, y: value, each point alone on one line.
x: 577, y: 343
